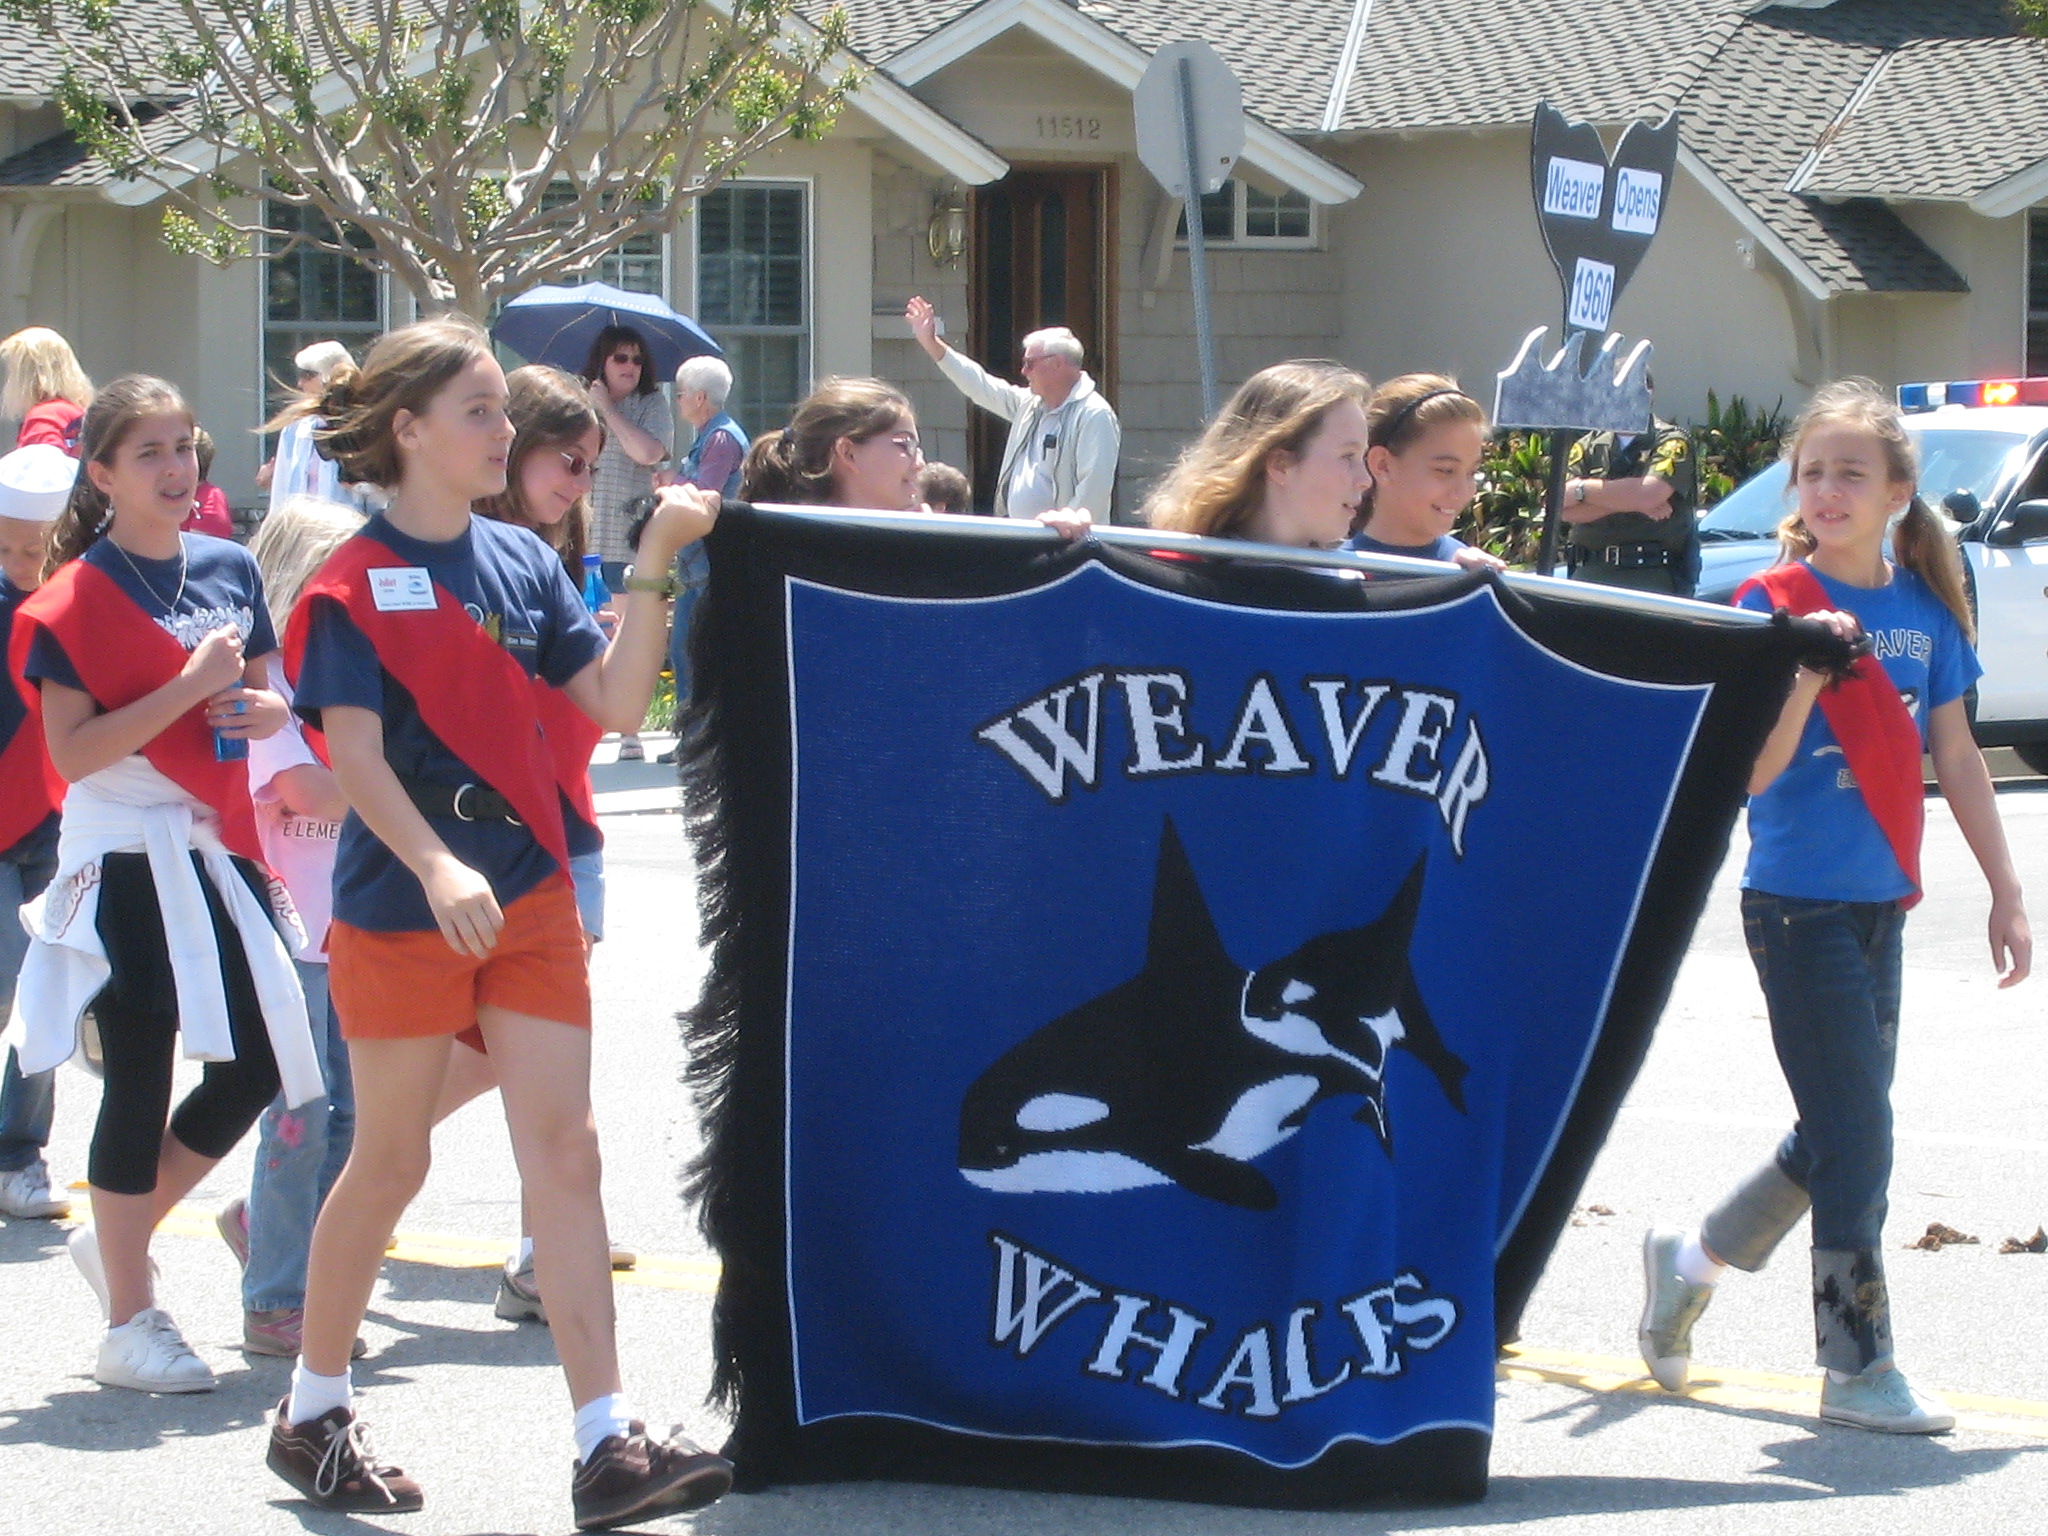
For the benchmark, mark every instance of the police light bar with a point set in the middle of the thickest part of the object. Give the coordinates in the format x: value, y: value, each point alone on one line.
x: 1973, y: 392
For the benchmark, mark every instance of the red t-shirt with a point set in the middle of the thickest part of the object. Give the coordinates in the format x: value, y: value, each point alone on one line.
x: 54, y: 422
x: 210, y: 513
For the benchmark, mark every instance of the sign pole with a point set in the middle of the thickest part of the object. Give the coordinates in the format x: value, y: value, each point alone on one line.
x: 1198, y: 256
x: 1561, y: 441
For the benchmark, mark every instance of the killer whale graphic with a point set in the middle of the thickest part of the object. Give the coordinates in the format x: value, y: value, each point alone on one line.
x: 1194, y: 1067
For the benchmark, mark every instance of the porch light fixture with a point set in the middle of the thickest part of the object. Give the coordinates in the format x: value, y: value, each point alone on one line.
x: 947, y: 234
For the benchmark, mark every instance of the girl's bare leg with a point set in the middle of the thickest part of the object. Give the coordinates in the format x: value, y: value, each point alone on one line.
x: 470, y: 1076
x: 398, y: 1083
x: 544, y: 1075
x: 123, y: 1225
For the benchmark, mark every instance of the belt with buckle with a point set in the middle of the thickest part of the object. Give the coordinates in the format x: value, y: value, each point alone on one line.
x: 460, y: 802
x: 1622, y: 557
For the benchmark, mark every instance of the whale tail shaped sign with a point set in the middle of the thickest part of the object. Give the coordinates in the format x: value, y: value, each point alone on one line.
x: 1599, y: 212
x: 1135, y: 1060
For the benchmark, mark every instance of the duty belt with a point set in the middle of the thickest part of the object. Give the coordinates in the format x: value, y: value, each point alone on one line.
x: 460, y: 802
x: 1622, y: 557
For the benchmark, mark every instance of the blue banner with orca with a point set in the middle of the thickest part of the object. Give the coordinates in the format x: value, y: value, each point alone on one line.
x: 1162, y: 1010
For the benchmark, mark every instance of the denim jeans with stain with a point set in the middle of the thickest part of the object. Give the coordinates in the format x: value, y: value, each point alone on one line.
x: 1830, y: 974
x: 299, y: 1154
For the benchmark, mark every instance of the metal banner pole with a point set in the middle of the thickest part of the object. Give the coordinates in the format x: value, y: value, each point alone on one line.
x: 1157, y: 540
x: 1198, y: 259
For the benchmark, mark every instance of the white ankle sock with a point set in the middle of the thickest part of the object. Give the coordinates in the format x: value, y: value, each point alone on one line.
x: 525, y: 1259
x: 1696, y: 1266
x: 314, y: 1395
x: 600, y: 1418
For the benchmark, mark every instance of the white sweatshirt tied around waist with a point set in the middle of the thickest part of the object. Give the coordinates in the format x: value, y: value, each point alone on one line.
x: 132, y: 808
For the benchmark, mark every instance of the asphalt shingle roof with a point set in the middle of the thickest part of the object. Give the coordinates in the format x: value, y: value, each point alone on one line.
x: 1959, y: 103
x: 1945, y: 119
x: 63, y: 162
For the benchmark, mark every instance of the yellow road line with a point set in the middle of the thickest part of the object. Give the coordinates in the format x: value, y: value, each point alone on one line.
x: 1754, y: 1391
x: 658, y: 1271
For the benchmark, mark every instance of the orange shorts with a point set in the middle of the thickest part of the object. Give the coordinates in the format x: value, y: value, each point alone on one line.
x: 412, y: 986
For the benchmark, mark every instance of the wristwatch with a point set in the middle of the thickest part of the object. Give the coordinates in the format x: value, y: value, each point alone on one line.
x: 1578, y: 490
x: 660, y: 586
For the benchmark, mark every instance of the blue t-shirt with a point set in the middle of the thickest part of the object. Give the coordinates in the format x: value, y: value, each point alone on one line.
x: 218, y: 584
x: 13, y: 712
x: 514, y: 586
x: 1442, y: 547
x: 1811, y: 835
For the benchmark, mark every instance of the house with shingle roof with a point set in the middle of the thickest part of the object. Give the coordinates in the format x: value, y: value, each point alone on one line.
x: 1856, y: 193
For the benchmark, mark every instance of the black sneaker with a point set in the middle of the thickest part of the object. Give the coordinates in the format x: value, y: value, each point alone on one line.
x: 330, y: 1460
x: 630, y: 1478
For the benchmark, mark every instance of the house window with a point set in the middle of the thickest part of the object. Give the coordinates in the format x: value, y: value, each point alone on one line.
x: 311, y: 296
x: 2037, y: 293
x: 754, y: 294
x: 1238, y: 213
x: 638, y: 266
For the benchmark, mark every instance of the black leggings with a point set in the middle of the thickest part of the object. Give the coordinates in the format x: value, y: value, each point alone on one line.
x: 138, y: 1019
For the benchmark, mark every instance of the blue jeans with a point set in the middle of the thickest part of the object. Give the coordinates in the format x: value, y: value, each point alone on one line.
x: 27, y: 1103
x: 693, y: 570
x: 1830, y: 973
x: 298, y: 1156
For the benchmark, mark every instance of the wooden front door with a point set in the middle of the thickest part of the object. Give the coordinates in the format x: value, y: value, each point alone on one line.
x: 1040, y: 259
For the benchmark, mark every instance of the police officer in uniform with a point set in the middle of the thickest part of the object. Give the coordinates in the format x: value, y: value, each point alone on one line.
x: 1630, y: 505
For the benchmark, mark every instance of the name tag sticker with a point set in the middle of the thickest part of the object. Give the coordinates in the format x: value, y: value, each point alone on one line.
x: 402, y: 589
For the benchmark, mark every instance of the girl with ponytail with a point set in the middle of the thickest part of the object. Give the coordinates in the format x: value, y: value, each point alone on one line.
x: 148, y: 651
x: 437, y: 652
x: 1835, y: 819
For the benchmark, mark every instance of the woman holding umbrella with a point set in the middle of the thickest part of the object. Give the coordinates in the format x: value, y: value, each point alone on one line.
x: 638, y: 431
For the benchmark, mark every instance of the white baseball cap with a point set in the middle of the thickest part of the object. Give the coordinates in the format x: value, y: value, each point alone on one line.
x: 35, y: 482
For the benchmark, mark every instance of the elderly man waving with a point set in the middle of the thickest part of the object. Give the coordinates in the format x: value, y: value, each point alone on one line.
x: 1064, y: 437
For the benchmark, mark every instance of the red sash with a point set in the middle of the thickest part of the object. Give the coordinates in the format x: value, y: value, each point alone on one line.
x: 1878, y: 736
x: 30, y: 786
x: 472, y: 695
x: 122, y: 655
x: 572, y: 737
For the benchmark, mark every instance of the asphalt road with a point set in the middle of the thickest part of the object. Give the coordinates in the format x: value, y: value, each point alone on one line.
x: 475, y: 1408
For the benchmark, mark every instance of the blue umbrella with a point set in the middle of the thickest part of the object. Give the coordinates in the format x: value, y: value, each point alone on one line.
x: 557, y: 325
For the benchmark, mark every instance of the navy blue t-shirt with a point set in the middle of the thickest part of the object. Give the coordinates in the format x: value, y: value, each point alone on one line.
x: 1811, y: 834
x: 215, y: 583
x: 514, y: 586
x: 13, y: 712
x: 1443, y: 547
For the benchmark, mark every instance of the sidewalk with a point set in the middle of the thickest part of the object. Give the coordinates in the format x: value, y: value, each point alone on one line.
x: 634, y: 789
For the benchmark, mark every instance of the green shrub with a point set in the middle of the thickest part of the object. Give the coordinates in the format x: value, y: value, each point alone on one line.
x: 1733, y: 444
x: 1506, y: 516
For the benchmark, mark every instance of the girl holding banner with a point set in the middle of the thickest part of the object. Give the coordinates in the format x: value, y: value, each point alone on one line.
x: 149, y: 649
x: 1835, y: 820
x: 425, y: 651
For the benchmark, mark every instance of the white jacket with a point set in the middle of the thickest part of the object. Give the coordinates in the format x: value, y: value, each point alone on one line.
x: 1083, y: 462
x: 128, y: 808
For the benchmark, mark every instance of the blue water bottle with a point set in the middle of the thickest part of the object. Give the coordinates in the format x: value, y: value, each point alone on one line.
x: 230, y: 749
x: 595, y: 593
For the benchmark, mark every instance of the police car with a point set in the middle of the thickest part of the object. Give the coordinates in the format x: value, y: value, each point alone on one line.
x: 1984, y: 464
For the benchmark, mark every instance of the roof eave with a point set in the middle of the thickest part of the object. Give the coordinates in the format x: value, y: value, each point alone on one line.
x: 1737, y: 208
x: 2015, y: 194
x: 1122, y: 63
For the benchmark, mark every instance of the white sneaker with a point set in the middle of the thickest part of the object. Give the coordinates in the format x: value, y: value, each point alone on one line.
x: 84, y: 1247
x: 1882, y: 1399
x: 26, y: 1192
x: 148, y: 1354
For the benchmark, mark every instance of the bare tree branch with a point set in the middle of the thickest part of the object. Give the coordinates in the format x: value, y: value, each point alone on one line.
x: 478, y: 146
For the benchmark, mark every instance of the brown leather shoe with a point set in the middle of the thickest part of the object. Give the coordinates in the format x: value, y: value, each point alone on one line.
x: 631, y: 1478
x: 330, y: 1460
